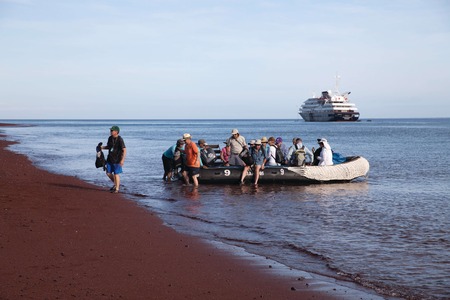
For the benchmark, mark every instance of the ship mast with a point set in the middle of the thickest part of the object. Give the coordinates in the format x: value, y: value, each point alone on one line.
x: 337, y: 77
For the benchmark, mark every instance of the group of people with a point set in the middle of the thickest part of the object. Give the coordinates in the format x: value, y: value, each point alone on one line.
x: 258, y: 153
x: 190, y: 157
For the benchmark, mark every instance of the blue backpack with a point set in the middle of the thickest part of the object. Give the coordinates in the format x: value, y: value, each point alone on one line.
x: 338, y: 158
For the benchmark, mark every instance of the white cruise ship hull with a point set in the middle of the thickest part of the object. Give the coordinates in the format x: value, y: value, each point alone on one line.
x: 329, y: 117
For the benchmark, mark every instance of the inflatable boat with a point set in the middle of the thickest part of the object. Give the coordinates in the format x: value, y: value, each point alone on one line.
x: 354, y: 167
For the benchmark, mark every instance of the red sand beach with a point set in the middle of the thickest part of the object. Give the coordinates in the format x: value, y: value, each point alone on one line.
x: 62, y: 238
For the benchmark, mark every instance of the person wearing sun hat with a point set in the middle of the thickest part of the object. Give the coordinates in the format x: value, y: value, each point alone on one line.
x: 192, y: 160
x: 116, y: 157
x: 259, y: 159
x: 264, y: 145
x: 235, y: 144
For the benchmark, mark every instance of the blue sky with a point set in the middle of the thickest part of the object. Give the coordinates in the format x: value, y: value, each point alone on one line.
x: 221, y: 59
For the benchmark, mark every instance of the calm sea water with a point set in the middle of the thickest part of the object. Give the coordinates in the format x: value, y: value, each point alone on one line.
x: 389, y: 232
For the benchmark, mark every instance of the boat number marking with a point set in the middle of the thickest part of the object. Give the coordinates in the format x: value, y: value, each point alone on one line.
x: 282, y: 171
x: 227, y: 172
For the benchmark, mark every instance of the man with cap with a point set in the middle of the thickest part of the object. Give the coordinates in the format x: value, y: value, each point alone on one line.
x: 172, y: 158
x: 192, y: 160
x: 116, y: 157
x: 235, y: 144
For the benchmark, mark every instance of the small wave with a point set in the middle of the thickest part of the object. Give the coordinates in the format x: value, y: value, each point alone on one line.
x: 195, y: 218
x: 306, y: 251
x: 241, y: 241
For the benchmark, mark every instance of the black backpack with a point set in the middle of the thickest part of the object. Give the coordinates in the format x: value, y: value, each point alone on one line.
x: 100, y: 160
x: 208, y: 156
x: 247, y: 157
x: 279, y: 157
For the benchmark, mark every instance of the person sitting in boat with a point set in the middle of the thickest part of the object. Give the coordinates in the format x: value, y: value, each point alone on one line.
x: 225, y: 156
x: 172, y: 159
x: 235, y: 144
x: 299, y: 154
x: 325, y: 157
x: 271, y: 158
x: 284, y: 149
x: 259, y: 159
x: 293, y: 145
x: 207, y: 155
x: 265, y: 146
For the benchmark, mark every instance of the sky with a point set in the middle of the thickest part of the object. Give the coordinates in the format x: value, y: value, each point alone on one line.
x: 221, y: 59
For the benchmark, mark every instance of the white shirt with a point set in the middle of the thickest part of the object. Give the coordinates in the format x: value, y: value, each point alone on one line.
x: 272, y: 154
x: 326, y: 157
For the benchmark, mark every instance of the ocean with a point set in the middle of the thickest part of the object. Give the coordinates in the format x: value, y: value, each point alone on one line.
x: 389, y: 232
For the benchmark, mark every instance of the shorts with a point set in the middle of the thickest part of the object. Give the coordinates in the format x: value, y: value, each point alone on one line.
x: 193, y: 171
x: 167, y: 163
x: 113, y: 168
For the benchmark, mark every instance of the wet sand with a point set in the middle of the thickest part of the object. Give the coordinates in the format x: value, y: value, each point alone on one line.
x: 63, y: 238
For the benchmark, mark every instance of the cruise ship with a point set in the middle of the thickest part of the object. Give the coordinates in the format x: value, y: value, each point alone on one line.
x: 330, y: 107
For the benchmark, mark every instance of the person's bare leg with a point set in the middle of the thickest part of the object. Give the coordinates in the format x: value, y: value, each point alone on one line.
x: 110, y: 176
x: 257, y: 169
x: 195, y: 180
x: 186, y: 177
x: 117, y: 182
x: 244, y: 173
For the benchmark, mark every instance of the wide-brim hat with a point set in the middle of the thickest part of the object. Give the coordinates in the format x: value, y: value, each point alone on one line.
x: 187, y: 136
x: 258, y: 142
x: 235, y: 131
x: 264, y: 139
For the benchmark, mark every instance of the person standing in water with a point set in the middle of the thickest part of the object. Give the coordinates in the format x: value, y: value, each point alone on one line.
x: 192, y: 160
x: 116, y: 157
